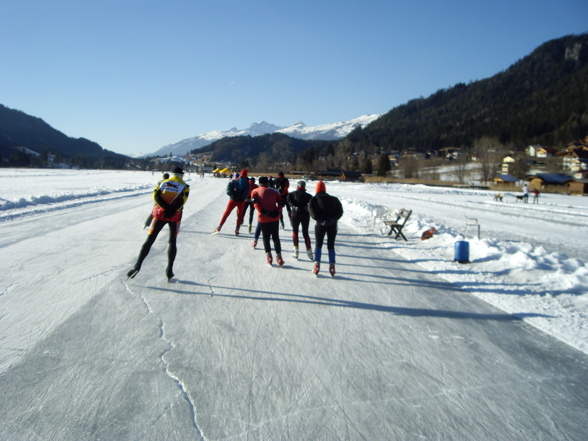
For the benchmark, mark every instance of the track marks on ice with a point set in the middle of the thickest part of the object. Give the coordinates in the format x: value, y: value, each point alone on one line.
x: 166, y: 366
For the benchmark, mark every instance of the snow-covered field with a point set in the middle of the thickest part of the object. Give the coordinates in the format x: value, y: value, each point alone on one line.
x: 404, y: 343
x: 530, y: 258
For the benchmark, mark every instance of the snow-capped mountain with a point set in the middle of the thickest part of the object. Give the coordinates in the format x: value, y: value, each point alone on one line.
x: 325, y: 132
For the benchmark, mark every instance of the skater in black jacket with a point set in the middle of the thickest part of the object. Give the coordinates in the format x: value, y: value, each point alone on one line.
x: 326, y: 210
x: 282, y: 184
x: 299, y: 216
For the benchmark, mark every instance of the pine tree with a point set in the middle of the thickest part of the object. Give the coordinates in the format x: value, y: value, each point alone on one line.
x: 383, y: 165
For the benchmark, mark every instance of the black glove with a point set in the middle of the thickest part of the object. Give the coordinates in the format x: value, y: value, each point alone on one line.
x: 169, y: 213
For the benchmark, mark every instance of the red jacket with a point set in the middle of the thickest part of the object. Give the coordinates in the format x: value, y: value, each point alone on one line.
x: 268, y: 202
x: 252, y: 187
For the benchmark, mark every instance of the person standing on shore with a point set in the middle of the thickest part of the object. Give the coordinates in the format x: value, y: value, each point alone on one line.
x: 535, y: 196
x: 170, y: 196
x: 326, y: 210
x: 298, y: 201
x: 268, y: 204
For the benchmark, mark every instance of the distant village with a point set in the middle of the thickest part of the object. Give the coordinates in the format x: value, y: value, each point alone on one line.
x: 545, y: 168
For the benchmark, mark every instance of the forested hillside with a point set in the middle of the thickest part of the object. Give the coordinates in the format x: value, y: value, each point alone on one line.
x: 541, y: 99
x: 19, y: 130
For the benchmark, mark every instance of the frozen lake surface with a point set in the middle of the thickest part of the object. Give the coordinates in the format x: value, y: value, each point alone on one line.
x: 403, y: 344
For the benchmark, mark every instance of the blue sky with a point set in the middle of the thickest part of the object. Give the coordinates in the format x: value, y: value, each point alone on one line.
x: 134, y: 75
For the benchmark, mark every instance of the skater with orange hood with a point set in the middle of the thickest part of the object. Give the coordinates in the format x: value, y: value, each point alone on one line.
x: 326, y: 210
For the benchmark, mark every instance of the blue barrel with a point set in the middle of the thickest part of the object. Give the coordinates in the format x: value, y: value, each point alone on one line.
x: 462, y: 251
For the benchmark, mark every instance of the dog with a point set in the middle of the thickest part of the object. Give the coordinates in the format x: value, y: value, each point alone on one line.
x: 498, y: 197
x: 428, y: 234
x: 520, y: 198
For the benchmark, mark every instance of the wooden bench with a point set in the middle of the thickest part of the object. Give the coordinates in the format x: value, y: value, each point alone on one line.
x: 396, y: 226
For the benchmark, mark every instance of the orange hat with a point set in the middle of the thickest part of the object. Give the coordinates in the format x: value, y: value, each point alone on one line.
x: 243, y: 173
x: 320, y: 187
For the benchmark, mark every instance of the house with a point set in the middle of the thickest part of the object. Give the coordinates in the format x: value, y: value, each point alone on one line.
x: 556, y: 182
x: 329, y: 174
x: 532, y: 150
x: 450, y: 152
x: 505, y: 180
x: 575, y: 160
x: 539, y: 151
x: 505, y: 162
x: 351, y: 176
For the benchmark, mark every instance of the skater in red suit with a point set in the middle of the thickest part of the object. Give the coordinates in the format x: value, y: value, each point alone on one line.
x: 238, y: 190
x: 268, y: 203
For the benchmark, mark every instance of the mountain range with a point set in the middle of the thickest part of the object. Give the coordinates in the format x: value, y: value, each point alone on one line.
x: 540, y: 99
x: 324, y: 132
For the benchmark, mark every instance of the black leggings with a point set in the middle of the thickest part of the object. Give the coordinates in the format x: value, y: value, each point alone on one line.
x: 271, y: 230
x: 156, y: 226
x: 249, y: 205
x: 300, y: 219
x: 330, y: 231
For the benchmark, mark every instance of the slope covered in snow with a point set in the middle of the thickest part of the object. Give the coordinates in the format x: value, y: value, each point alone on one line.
x: 299, y: 130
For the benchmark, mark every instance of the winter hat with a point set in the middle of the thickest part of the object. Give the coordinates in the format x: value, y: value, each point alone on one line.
x: 301, y: 184
x: 320, y: 187
x: 178, y: 171
x: 243, y: 173
x: 252, y: 180
x: 281, y: 174
x: 263, y: 180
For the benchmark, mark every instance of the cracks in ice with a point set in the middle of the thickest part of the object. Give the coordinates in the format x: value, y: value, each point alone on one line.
x: 210, y: 286
x: 166, y: 366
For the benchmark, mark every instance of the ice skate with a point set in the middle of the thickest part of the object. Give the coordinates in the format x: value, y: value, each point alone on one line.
x: 269, y: 259
x: 316, y: 269
x: 279, y: 260
x: 216, y: 230
x: 254, y: 243
x: 295, y: 253
x: 169, y: 273
x: 249, y: 229
x: 310, y: 255
x: 132, y: 273
x: 332, y: 269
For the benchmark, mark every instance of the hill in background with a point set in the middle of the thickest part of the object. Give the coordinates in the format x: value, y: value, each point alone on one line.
x: 541, y: 99
x: 21, y: 133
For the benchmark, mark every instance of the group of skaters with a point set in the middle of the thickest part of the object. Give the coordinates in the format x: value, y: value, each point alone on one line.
x: 268, y: 199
